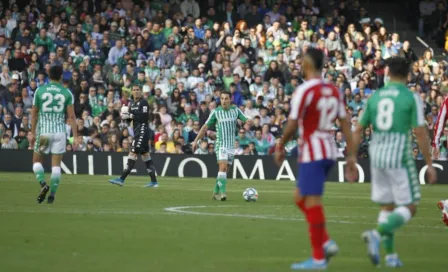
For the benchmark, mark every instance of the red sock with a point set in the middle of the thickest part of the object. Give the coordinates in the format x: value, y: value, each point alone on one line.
x: 301, y: 205
x: 316, y: 221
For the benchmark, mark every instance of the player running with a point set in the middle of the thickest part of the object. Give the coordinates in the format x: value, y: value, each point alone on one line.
x: 225, y: 118
x: 51, y: 104
x: 316, y: 104
x: 392, y: 112
x: 138, y: 113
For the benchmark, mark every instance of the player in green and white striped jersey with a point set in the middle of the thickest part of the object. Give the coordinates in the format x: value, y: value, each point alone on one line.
x: 393, y: 112
x: 51, y: 104
x: 225, y: 118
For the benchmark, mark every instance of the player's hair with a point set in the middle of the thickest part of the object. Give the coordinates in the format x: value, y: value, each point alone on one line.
x: 317, y: 56
x: 225, y: 92
x: 398, y: 67
x: 56, y: 72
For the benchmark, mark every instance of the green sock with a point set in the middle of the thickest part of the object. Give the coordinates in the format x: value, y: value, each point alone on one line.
x: 222, y: 182
x: 40, y: 176
x: 55, y: 179
x: 216, y: 190
x: 388, y: 243
x: 395, y: 220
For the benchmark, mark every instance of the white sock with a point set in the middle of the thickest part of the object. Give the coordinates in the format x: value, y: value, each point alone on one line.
x: 37, y: 167
x: 404, y: 212
x: 383, y: 215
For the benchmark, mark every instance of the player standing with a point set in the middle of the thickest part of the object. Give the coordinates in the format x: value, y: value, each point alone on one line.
x: 51, y: 103
x: 138, y: 113
x: 316, y: 104
x: 225, y: 118
x: 393, y: 111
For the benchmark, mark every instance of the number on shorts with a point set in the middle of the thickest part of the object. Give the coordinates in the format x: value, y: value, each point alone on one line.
x: 49, y: 98
x: 328, y: 107
x: 384, y: 117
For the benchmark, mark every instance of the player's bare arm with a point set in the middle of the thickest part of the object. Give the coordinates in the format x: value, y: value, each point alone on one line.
x: 200, y: 135
x: 290, y: 131
x: 72, y: 121
x: 34, y: 118
x: 352, y: 146
x: 424, y: 143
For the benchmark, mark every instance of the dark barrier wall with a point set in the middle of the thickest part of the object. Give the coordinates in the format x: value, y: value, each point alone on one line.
x: 245, y: 167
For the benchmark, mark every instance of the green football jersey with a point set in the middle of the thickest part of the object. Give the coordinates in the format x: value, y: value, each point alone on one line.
x: 393, y: 111
x: 225, y: 121
x: 52, y: 100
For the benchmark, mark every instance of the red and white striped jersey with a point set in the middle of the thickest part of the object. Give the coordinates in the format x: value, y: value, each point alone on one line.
x: 440, y: 123
x: 316, y: 104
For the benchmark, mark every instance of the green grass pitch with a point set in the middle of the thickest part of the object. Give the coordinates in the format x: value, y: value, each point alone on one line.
x: 95, y: 226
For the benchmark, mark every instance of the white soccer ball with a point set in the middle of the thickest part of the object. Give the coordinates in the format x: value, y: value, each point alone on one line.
x: 250, y: 194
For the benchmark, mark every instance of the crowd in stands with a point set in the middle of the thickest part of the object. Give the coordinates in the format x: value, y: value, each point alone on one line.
x: 183, y: 54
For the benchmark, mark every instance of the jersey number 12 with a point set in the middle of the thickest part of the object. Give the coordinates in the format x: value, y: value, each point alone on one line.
x: 328, y: 107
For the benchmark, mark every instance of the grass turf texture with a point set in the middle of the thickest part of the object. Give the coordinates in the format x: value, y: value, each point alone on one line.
x: 95, y: 226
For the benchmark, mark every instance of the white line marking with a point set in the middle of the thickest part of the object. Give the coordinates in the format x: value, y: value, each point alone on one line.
x: 183, y: 210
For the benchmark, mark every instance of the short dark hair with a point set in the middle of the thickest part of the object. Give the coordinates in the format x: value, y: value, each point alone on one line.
x: 317, y: 56
x: 56, y: 72
x: 225, y: 92
x: 398, y: 67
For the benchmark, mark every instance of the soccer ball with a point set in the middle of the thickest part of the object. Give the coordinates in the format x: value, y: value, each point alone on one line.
x: 443, y: 206
x: 250, y: 194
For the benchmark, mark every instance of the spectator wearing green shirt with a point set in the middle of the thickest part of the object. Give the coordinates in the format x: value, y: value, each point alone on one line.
x: 98, y: 108
x: 261, y: 144
x: 141, y: 80
x: 43, y: 40
x: 242, y: 138
x: 187, y: 115
x: 227, y: 78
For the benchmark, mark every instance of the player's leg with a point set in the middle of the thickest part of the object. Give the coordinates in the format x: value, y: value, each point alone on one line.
x: 382, y: 195
x: 406, y: 193
x: 132, y: 158
x: 150, y: 168
x: 57, y: 143
x: 311, y: 181
x: 40, y: 148
x: 220, y: 189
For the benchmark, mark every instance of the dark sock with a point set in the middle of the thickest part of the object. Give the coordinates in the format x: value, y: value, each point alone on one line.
x: 128, y: 169
x: 151, y: 170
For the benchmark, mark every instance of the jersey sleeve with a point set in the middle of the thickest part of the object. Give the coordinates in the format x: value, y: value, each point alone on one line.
x: 211, y: 119
x: 37, y: 98
x: 70, y: 98
x: 241, y: 115
x: 365, y: 119
x: 297, y: 106
x: 417, y: 117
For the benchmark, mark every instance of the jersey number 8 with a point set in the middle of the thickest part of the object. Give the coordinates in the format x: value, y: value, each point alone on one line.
x: 49, y: 98
x: 384, y: 117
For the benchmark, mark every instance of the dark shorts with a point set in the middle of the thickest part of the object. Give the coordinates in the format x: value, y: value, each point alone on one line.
x: 312, y: 176
x: 140, y: 143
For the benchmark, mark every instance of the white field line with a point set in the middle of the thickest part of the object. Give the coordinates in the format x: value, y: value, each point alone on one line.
x: 183, y: 209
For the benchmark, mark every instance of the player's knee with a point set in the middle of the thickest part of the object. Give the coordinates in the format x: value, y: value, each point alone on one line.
x: 37, y: 167
x: 146, y: 157
x: 132, y: 156
x: 313, y: 200
x: 56, y: 171
x: 413, y: 209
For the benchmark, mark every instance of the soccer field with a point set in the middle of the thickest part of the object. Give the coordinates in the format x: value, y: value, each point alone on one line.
x: 95, y: 226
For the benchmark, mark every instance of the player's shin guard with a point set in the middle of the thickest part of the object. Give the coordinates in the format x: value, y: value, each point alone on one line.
x: 222, y: 182
x: 127, y: 170
x: 55, y: 179
x: 387, y: 238
x: 395, y: 220
x: 150, y: 168
x: 38, y: 170
x: 316, y: 220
